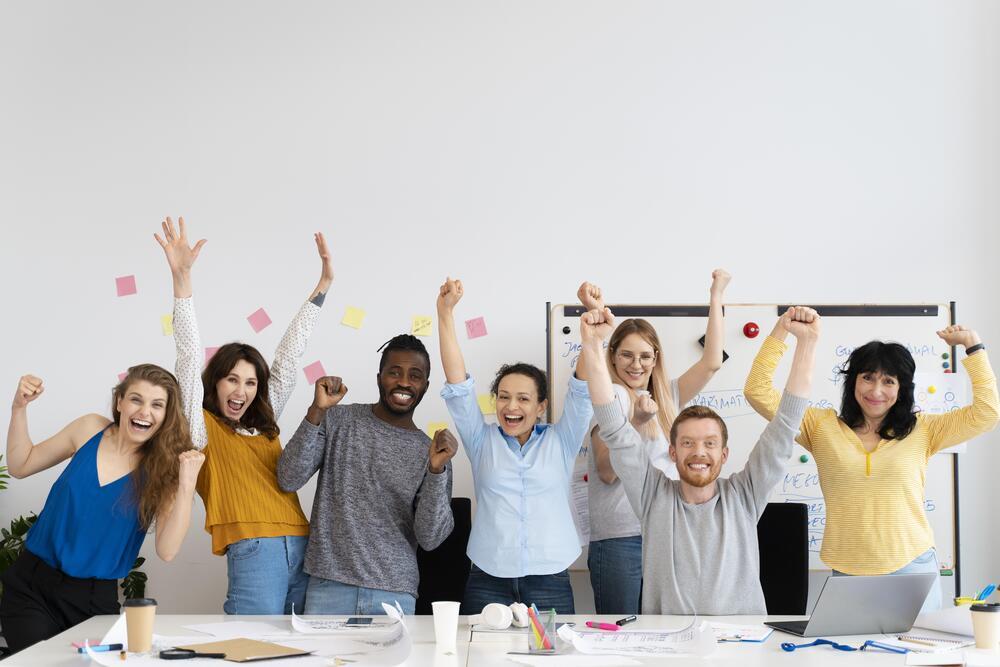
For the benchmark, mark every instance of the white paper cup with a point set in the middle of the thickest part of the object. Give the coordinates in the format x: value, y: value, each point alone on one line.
x: 445, y: 624
x: 986, y: 625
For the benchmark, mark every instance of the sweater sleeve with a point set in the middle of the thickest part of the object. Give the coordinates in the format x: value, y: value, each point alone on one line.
x: 302, y: 456
x: 187, y: 368
x: 284, y: 369
x: 764, y: 397
x: 433, y: 520
x: 629, y: 457
x: 766, y: 464
x: 957, y: 426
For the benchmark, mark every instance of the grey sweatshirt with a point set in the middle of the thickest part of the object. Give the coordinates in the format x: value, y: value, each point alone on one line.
x: 701, y: 559
x: 375, y: 498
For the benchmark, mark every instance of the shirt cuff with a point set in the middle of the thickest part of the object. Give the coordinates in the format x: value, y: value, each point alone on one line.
x: 793, y: 407
x: 579, y: 387
x: 609, y: 417
x: 772, y: 344
x: 463, y: 388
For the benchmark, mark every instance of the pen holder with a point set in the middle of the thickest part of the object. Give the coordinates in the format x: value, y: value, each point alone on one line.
x: 543, y: 632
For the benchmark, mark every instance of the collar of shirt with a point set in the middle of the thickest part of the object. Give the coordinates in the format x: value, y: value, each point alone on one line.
x: 515, y: 446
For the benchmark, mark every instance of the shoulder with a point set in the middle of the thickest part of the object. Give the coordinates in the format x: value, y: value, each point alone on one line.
x: 82, y: 429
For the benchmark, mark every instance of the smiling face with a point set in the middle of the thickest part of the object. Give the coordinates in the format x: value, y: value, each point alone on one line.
x: 403, y: 381
x: 142, y: 409
x: 876, y: 392
x: 236, y: 390
x: 518, y: 407
x: 699, y: 451
x: 633, y: 361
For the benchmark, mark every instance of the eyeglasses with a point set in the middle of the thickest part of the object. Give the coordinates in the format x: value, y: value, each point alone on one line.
x: 646, y: 359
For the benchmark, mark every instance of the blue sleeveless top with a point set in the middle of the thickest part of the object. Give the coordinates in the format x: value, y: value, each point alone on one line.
x: 87, y: 530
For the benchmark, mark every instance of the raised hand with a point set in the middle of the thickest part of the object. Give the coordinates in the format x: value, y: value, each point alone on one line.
x: 329, y: 391
x: 720, y: 278
x: 190, y: 464
x: 326, y: 274
x: 802, y: 322
x: 596, y: 326
x: 590, y: 296
x: 29, y: 387
x: 180, y: 255
x: 645, y: 409
x: 449, y: 295
x: 444, y: 446
x: 956, y: 334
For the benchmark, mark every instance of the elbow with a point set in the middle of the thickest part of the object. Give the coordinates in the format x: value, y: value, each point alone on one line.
x: 16, y: 472
x: 165, y: 554
x: 607, y: 476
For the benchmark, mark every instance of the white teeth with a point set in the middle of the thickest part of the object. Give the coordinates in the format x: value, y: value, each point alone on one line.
x: 402, y: 396
x: 139, y: 423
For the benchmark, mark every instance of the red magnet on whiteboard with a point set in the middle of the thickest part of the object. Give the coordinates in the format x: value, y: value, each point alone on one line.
x: 750, y: 329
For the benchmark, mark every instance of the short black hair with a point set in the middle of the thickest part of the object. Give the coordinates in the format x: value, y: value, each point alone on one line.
x: 889, y: 359
x: 404, y: 343
x: 520, y: 368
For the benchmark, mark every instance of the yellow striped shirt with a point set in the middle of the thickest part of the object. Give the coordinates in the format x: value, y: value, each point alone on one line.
x: 875, y: 519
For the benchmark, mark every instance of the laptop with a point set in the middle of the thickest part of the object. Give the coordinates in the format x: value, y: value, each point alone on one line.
x: 864, y: 606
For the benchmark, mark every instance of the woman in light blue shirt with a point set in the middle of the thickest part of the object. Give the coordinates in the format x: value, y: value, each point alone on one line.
x: 523, y: 538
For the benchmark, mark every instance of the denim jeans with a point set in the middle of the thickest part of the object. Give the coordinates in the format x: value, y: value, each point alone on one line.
x: 925, y: 562
x: 265, y: 575
x: 616, y: 574
x: 546, y: 591
x: 326, y: 596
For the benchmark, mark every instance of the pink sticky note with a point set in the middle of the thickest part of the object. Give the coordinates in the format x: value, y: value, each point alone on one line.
x: 209, y: 353
x: 122, y: 376
x: 259, y: 320
x: 475, y: 328
x: 314, y: 371
x: 125, y: 285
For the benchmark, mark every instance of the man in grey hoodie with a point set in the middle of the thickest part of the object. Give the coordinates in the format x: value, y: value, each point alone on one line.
x: 699, y: 533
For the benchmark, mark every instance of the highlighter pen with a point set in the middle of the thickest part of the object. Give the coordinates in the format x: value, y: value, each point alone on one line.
x: 597, y: 625
x: 98, y: 648
x: 623, y: 621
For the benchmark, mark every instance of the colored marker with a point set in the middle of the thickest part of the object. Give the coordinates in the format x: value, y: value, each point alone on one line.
x: 100, y: 648
x: 623, y: 621
x: 597, y: 625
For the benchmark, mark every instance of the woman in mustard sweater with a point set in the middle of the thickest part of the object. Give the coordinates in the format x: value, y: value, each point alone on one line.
x: 233, y: 410
x: 872, y: 457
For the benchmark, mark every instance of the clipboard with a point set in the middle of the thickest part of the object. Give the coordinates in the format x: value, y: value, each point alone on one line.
x: 246, y: 650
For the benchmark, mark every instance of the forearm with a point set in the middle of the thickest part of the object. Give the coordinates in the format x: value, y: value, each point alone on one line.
x: 602, y: 459
x: 284, y: 370
x: 182, y: 283
x: 19, y: 443
x: 800, y: 377
x: 301, y: 456
x: 599, y: 379
x: 433, y: 520
x: 711, y: 356
x: 759, y: 388
x: 187, y: 367
x: 172, y: 528
x: 451, y: 353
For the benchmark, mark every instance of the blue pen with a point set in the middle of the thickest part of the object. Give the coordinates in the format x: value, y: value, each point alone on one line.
x: 988, y: 591
x: 100, y: 648
x: 884, y: 647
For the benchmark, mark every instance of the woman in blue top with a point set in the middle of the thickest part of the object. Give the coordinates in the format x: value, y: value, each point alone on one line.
x: 523, y: 538
x: 123, y: 475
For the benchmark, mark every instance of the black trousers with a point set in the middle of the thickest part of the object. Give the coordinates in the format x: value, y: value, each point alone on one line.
x: 40, y: 601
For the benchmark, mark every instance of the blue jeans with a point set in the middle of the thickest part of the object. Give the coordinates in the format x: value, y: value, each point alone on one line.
x: 616, y: 574
x: 326, y: 596
x: 925, y: 562
x: 265, y: 575
x: 546, y: 591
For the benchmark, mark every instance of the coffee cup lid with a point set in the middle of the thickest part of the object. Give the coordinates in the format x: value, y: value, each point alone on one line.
x: 140, y: 602
x: 992, y: 606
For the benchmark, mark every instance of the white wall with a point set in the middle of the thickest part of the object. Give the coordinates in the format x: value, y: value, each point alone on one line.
x: 837, y: 152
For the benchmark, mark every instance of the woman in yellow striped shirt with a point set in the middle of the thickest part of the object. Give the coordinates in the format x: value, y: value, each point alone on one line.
x: 872, y: 457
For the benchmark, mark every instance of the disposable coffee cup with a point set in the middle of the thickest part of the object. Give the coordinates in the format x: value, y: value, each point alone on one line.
x: 986, y: 625
x: 139, y: 615
x: 445, y: 624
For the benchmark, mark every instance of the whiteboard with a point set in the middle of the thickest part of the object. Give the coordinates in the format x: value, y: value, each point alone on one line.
x: 844, y: 328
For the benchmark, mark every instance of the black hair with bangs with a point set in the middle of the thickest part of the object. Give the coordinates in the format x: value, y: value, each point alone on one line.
x: 889, y: 359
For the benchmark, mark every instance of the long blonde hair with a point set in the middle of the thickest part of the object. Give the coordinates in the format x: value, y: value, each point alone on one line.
x: 659, y: 381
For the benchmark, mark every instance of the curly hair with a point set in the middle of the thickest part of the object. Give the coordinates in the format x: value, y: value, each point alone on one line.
x: 534, y: 373
x: 259, y: 414
x: 154, y: 481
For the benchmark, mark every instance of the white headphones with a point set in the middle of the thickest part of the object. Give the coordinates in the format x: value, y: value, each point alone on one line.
x: 500, y: 617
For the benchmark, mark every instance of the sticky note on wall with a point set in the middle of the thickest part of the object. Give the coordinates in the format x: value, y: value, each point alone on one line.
x: 314, y: 371
x: 125, y: 285
x: 259, y: 320
x: 487, y: 404
x: 353, y: 317
x: 209, y: 353
x: 434, y: 427
x: 422, y: 325
x: 167, y: 324
x: 475, y: 328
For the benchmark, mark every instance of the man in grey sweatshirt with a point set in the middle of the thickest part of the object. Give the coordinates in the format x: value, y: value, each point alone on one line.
x: 383, y: 487
x: 699, y: 533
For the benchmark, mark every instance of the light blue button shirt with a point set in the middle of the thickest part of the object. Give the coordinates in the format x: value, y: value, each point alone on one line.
x: 523, y: 524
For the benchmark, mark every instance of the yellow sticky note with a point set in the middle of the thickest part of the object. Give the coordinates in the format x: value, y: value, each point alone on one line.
x: 422, y: 325
x: 487, y: 404
x: 353, y: 317
x: 167, y: 325
x: 434, y: 427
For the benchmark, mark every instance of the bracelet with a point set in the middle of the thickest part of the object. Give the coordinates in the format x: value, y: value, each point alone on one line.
x: 974, y: 348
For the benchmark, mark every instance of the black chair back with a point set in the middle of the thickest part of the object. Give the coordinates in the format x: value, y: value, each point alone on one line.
x: 444, y: 571
x: 783, y: 540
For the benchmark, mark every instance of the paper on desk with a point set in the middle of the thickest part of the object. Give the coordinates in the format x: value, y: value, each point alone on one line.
x: 696, y: 639
x: 234, y: 629
x: 949, y: 658
x: 956, y: 620
x: 572, y: 660
x: 741, y: 633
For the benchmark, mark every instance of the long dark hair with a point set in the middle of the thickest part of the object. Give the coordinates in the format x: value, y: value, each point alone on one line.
x: 154, y: 481
x: 259, y: 414
x: 889, y: 359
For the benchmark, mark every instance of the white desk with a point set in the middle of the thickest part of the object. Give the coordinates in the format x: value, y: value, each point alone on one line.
x: 58, y: 652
